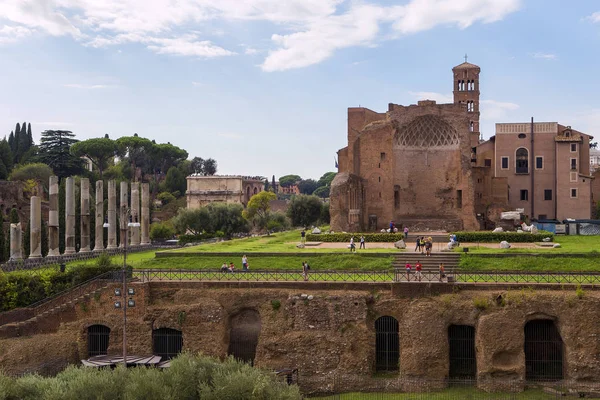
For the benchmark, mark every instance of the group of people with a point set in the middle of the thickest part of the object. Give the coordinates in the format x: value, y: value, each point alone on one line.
x: 424, y: 245
x: 419, y: 268
x: 231, y: 266
x: 352, y: 245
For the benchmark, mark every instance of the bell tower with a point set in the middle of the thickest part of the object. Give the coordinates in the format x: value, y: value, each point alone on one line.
x: 466, y: 91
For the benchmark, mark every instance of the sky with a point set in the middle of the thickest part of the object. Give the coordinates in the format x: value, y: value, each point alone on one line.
x: 263, y: 86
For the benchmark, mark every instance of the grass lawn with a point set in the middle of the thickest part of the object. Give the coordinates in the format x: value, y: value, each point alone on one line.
x: 569, y: 244
x: 448, y: 394
x: 590, y: 263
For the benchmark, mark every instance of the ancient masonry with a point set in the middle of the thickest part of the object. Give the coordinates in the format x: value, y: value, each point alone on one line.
x: 16, y: 232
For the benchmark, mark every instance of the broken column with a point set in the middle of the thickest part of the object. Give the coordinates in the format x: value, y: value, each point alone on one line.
x: 84, y: 190
x: 123, y: 214
x: 135, y: 213
x: 99, y: 243
x: 15, y: 242
x: 35, y: 227
x: 53, y: 250
x: 112, y: 215
x: 145, y: 222
x: 70, y: 217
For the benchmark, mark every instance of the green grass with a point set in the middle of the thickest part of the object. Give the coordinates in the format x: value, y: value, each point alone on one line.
x: 569, y: 244
x: 448, y: 394
x: 590, y: 263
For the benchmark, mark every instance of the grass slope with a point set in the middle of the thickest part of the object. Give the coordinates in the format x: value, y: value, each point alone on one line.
x: 448, y: 394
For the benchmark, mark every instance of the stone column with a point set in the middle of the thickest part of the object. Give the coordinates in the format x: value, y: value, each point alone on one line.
x: 35, y: 227
x: 15, y: 242
x: 145, y: 222
x: 99, y: 243
x: 135, y: 213
x: 112, y: 215
x: 70, y: 217
x: 53, y: 250
x: 123, y: 206
x: 84, y: 190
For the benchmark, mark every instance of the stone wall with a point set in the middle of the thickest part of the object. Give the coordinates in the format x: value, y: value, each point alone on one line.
x: 329, y: 336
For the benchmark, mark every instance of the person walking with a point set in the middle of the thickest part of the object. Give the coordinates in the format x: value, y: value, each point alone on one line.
x: 362, y: 242
x: 442, y: 272
x: 244, y: 263
x: 428, y: 246
x: 406, y: 232
x: 418, y: 244
x: 422, y: 244
x: 352, y: 245
x: 408, y: 268
x: 303, y: 236
x: 305, y: 269
x: 418, y: 268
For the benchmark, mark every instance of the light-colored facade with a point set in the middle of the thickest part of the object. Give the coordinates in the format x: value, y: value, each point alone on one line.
x: 594, y: 160
x: 202, y: 190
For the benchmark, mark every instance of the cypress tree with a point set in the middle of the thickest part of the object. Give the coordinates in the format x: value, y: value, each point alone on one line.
x: 11, y: 141
x: 29, y: 135
x: 3, y: 256
x: 45, y: 245
x: 6, y: 157
x: 14, y: 216
x: 15, y: 151
x: 24, y: 143
x: 26, y: 241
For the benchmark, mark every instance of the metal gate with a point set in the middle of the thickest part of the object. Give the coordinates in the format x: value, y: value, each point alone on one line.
x: 461, y: 343
x: 387, y: 344
x: 243, y: 335
x: 98, y: 337
x: 167, y: 342
x: 543, y: 351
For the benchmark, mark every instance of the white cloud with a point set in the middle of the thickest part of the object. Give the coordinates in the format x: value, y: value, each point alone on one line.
x: 83, y: 86
x: 11, y: 34
x: 496, y: 111
x: 251, y: 51
x: 545, y: 56
x: 314, y: 29
x: 595, y: 17
x: 439, y: 98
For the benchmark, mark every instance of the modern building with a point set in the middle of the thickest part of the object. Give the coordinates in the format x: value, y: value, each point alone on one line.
x: 594, y: 160
x: 202, y: 190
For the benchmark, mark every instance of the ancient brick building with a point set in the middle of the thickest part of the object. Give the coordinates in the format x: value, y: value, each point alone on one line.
x: 424, y: 166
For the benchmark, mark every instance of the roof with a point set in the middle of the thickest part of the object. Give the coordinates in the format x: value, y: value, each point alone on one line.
x: 112, y: 361
x: 466, y: 65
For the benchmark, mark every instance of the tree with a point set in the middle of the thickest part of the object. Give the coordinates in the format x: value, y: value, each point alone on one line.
x: 325, y: 218
x: 38, y: 172
x: 227, y: 218
x: 326, y: 179
x: 27, y: 241
x: 289, y: 180
x: 54, y: 150
x: 175, y: 180
x: 258, y: 208
x: 14, y: 216
x: 6, y: 158
x: 161, y: 231
x: 210, y: 167
x: 322, y: 192
x: 136, y: 149
x: 194, y: 221
x: 197, y: 165
x: 3, y: 255
x: 304, y: 210
x: 99, y: 150
x: 273, y: 184
x: 307, y: 186
x: 44, y: 238
x: 266, y: 185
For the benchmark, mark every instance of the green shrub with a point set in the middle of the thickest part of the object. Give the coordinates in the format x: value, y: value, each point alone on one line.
x: 185, y: 239
x: 579, y: 292
x: 345, y: 237
x: 510, y: 237
x: 275, y: 304
x: 165, y: 198
x: 480, y: 303
x: 161, y: 231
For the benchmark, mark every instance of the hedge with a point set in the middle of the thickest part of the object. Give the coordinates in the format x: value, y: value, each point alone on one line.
x: 22, y: 288
x: 345, y: 237
x: 510, y: 237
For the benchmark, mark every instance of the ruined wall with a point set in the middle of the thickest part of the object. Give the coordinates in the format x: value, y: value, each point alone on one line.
x: 329, y: 336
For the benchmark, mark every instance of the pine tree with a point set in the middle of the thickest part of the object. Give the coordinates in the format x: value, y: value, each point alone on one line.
x: 11, y: 142
x: 6, y: 158
x: 29, y: 135
x: 15, y: 150
x: 14, y: 216
x: 3, y: 256
x: 54, y: 150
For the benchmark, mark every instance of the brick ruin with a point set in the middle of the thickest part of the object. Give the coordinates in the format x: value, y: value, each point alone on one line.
x: 334, y: 337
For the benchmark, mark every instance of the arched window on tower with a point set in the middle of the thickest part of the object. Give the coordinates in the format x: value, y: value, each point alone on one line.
x: 469, y: 106
x: 471, y: 126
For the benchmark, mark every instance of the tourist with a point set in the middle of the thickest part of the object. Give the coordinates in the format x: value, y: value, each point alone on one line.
x: 428, y: 246
x: 406, y: 232
x: 418, y: 246
x: 391, y: 226
x: 303, y: 236
x: 442, y: 272
x: 422, y: 244
x: 224, y: 267
x: 362, y: 242
x: 408, y: 268
x: 231, y: 267
x: 305, y: 269
x: 418, y: 268
x: 244, y: 263
x: 352, y: 246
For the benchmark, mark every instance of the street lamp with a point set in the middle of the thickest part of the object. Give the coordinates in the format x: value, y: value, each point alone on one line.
x: 133, y: 222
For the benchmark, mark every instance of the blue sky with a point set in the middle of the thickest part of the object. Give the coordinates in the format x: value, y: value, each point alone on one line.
x: 263, y: 86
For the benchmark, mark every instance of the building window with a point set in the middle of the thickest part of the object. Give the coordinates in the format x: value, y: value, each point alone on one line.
x: 524, y: 195
x: 573, y: 147
x: 382, y: 157
x: 522, y: 161
x: 504, y: 163
x: 396, y: 198
x: 522, y: 136
x: 387, y: 344
x: 574, y: 163
x: 459, y: 199
x: 379, y: 179
x: 573, y: 176
x: 573, y: 193
x: 548, y: 194
x: 539, y: 162
x: 488, y: 162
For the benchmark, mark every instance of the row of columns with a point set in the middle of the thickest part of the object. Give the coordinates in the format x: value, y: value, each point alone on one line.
x: 139, y: 234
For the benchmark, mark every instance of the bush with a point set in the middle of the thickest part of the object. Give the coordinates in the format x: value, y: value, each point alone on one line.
x: 304, y: 210
x: 185, y: 239
x: 165, y: 198
x: 161, y: 231
x: 510, y: 237
x: 278, y: 222
x: 345, y: 237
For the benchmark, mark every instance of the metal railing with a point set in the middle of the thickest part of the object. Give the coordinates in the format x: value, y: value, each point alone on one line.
x: 390, y: 275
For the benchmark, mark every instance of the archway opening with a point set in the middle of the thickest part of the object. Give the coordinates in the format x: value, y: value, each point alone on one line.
x: 167, y: 342
x: 461, y: 350
x: 387, y: 344
x: 244, y: 332
x: 98, y: 337
x: 543, y: 351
